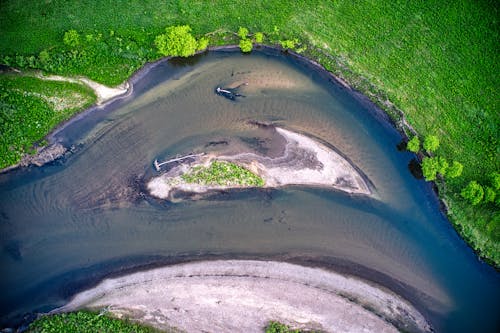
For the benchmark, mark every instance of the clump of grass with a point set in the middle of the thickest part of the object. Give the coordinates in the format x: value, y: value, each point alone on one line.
x: 85, y: 322
x: 224, y: 174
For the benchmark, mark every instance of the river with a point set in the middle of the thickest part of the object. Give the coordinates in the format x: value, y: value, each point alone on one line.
x: 67, y: 225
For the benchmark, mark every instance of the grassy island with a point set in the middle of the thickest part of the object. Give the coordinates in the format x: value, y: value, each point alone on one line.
x: 223, y: 174
x: 435, y: 62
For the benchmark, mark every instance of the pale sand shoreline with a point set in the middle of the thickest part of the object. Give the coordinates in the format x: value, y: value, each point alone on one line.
x: 304, y: 162
x: 244, y: 295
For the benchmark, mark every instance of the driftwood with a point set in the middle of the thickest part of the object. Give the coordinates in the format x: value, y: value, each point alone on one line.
x: 158, y: 165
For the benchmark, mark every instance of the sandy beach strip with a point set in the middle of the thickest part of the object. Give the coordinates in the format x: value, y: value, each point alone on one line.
x: 244, y: 295
x: 304, y: 162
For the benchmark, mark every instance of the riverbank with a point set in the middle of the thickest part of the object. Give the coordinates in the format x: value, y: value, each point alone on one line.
x: 303, y: 161
x: 244, y: 295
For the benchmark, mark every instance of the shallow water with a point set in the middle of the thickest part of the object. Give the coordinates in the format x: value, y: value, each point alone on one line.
x: 66, y: 225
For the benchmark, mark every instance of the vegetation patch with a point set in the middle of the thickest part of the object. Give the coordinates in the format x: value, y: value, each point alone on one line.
x: 223, y: 174
x: 30, y: 108
x: 85, y: 322
x: 277, y: 327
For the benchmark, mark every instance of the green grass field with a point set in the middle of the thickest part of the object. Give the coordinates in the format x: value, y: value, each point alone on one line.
x: 438, y: 61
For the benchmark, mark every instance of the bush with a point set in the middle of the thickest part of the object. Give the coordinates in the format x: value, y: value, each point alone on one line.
x: 442, y: 165
x: 246, y: 45
x: 177, y: 41
x: 44, y: 56
x: 489, y: 194
x: 413, y: 145
x: 430, y: 167
x: 455, y: 169
x: 202, y: 43
x: 431, y: 143
x: 243, y: 33
x: 473, y: 192
x: 71, y: 38
x: 495, y: 180
x: 277, y: 327
x: 259, y: 37
x: 288, y: 43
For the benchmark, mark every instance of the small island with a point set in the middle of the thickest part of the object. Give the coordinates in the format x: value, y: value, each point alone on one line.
x: 301, y: 161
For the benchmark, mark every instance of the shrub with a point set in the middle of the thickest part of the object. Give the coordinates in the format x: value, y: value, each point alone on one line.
x: 202, y: 43
x: 430, y: 167
x: 414, y: 144
x: 277, y: 327
x: 288, y: 43
x: 71, y: 38
x: 259, y: 37
x: 495, y: 180
x: 455, y: 169
x: 246, y: 45
x: 442, y: 165
x: 177, y: 41
x: 44, y: 56
x: 473, y: 192
x: 243, y: 32
x: 431, y: 143
x: 489, y: 194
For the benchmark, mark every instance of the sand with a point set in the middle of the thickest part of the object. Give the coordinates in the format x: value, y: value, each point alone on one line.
x: 244, y: 295
x: 304, y: 162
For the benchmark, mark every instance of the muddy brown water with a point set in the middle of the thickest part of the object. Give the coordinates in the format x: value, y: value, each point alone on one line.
x: 67, y: 225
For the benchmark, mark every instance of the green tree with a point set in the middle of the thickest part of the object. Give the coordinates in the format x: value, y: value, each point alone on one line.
x: 495, y: 180
x: 44, y: 56
x: 259, y: 37
x: 243, y: 32
x: 177, y: 41
x: 202, y: 43
x: 489, y: 194
x: 430, y: 167
x: 473, y: 192
x: 246, y: 45
x: 455, y: 169
x: 71, y: 38
x: 442, y: 165
x: 431, y: 143
x: 414, y: 144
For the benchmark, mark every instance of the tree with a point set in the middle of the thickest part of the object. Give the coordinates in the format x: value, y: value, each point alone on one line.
x: 246, y: 45
x: 430, y: 167
x: 455, y: 169
x: 259, y: 37
x: 414, y: 144
x: 442, y: 165
x: 495, y: 180
x: 243, y: 33
x: 177, y: 41
x: 431, y: 143
x: 489, y: 194
x: 473, y: 192
x: 71, y: 38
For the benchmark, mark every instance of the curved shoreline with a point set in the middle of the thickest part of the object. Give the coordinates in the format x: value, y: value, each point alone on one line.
x: 303, y: 161
x: 226, y: 294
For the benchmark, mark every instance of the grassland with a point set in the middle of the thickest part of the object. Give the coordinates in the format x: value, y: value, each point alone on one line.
x: 223, y: 174
x: 438, y: 61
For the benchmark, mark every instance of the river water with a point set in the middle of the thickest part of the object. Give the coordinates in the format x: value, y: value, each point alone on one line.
x: 69, y: 224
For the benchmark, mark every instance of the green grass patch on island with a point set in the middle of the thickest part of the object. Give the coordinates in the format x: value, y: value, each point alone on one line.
x: 223, y: 174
